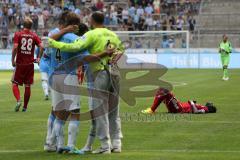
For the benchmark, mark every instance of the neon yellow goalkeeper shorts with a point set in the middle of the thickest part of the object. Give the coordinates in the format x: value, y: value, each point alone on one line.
x: 225, y: 58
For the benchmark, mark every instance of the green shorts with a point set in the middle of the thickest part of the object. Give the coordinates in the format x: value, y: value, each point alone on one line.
x: 225, y: 58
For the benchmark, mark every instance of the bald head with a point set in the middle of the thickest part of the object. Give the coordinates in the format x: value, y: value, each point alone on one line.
x: 27, y: 23
x: 225, y: 38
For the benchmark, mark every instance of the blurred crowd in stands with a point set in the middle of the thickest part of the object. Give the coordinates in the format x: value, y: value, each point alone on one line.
x: 128, y: 15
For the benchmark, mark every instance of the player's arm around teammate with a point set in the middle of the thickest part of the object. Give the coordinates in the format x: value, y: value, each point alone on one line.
x: 61, y: 110
x: 96, y: 40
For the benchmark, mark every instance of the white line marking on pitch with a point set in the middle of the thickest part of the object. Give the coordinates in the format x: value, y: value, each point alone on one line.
x: 219, y: 122
x: 177, y: 84
x: 155, y: 150
x: 18, y: 151
x: 188, y: 151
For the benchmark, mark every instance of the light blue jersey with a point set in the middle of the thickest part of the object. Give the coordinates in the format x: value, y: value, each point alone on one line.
x: 44, y: 62
x: 59, y: 57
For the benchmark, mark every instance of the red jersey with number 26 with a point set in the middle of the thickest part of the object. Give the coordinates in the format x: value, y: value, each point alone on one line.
x: 26, y: 40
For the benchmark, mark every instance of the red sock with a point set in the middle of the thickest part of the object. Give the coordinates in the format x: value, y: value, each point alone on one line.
x: 156, y: 103
x: 27, y: 95
x: 16, y: 92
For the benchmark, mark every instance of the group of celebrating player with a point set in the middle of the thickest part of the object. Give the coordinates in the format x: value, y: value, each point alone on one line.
x: 76, y: 42
x: 96, y: 50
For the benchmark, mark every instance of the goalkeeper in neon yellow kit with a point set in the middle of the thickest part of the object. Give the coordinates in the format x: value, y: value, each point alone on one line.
x: 225, y: 48
x: 107, y: 126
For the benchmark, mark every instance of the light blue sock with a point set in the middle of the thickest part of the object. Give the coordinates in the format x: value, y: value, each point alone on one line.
x: 59, y: 131
x: 51, y: 119
x: 73, y: 128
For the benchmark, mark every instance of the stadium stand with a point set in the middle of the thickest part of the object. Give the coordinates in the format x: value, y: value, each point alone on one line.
x: 218, y: 17
x: 207, y: 20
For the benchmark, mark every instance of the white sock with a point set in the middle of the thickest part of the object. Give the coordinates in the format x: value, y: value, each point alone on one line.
x: 105, y: 144
x: 58, y: 127
x: 89, y: 142
x: 50, y: 122
x: 116, y: 143
x: 45, y: 87
x: 53, y: 137
x: 73, y: 128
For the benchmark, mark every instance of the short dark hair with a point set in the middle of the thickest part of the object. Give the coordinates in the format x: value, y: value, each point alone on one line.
x: 27, y: 23
x: 211, y: 107
x: 72, y: 19
x: 82, y: 29
x: 98, y: 17
x: 62, y: 18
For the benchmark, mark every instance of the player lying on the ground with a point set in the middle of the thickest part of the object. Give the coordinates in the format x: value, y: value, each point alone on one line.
x: 23, y: 59
x: 175, y: 106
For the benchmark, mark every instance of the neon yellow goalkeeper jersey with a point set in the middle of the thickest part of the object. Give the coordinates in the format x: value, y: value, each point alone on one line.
x: 95, y: 41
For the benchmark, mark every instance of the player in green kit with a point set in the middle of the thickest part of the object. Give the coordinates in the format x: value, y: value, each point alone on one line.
x: 225, y: 48
x: 108, y: 126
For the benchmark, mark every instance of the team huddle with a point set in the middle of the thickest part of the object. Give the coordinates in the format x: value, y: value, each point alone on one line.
x: 94, y: 50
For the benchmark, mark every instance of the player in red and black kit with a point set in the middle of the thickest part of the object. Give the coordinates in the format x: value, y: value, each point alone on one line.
x: 175, y: 106
x: 23, y: 59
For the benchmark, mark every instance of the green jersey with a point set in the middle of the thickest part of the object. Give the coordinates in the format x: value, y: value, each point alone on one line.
x: 95, y: 41
x: 225, y: 48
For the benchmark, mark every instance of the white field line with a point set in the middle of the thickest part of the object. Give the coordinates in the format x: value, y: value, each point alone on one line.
x: 154, y: 150
x: 177, y: 84
x: 179, y: 119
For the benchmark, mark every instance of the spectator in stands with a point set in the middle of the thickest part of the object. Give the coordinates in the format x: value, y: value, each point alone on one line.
x: 156, y: 6
x: 77, y: 11
x: 180, y: 23
x: 46, y: 15
x: 141, y: 25
x: 191, y: 24
x: 125, y: 15
x: 19, y: 21
x: 132, y: 11
x: 119, y: 14
x: 164, y: 24
x: 107, y: 18
x: 4, y: 25
x: 41, y: 21
x: 56, y: 12
x: 70, y: 6
x: 171, y: 42
x: 149, y: 22
x: 130, y: 26
x: 156, y: 23
x: 34, y: 18
x: 165, y: 43
x: 113, y: 18
x: 138, y: 43
x: 184, y: 45
x: 10, y: 14
x: 116, y: 14
x: 45, y: 2
x: 149, y: 9
x: 83, y: 2
x: 99, y: 5
x: 172, y: 23
x: 136, y: 19
x: 140, y: 11
x: 31, y: 7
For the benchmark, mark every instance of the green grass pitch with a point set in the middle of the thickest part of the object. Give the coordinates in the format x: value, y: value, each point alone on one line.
x: 165, y: 136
